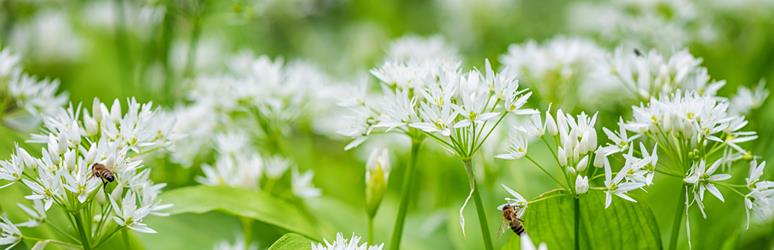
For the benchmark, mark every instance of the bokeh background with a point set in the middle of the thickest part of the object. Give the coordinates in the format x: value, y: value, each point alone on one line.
x: 151, y: 49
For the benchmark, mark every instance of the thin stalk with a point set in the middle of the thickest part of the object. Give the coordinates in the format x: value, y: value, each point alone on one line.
x: 247, y: 230
x: 678, y: 219
x: 81, y: 231
x: 370, y: 230
x: 408, y: 179
x: 479, y: 206
x: 576, y: 202
x: 125, y: 235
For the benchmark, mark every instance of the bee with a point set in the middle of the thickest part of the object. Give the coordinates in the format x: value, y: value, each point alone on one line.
x: 510, y: 215
x: 101, y: 171
x: 637, y: 52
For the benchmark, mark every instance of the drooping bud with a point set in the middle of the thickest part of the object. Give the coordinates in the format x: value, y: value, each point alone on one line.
x: 377, y: 174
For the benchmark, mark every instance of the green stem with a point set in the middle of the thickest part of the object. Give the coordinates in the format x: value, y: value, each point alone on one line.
x: 125, y: 235
x: 408, y: 178
x: 247, y: 230
x: 81, y: 231
x: 678, y: 219
x: 576, y: 202
x: 479, y: 205
x: 370, y: 230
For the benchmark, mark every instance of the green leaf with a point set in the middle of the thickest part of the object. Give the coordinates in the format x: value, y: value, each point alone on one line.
x: 291, y: 241
x: 251, y: 204
x: 623, y: 225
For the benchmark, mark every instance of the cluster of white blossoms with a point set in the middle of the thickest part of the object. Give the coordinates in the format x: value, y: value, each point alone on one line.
x: 557, y: 70
x: 341, y: 243
x: 241, y: 115
x: 661, y: 24
x: 25, y: 95
x: 75, y: 140
x: 421, y: 49
x: 573, y: 72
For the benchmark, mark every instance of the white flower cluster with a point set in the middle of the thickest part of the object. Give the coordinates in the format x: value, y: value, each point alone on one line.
x: 342, y: 243
x: 653, y: 23
x: 459, y: 109
x: 75, y: 140
x: 421, y: 49
x: 644, y: 75
x: 558, y: 69
x: 26, y: 93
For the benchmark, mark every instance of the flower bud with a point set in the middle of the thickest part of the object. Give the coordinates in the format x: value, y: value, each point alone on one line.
x: 581, y: 184
x: 551, y: 124
x: 91, y: 125
x: 96, y: 109
x: 562, y: 156
x: 583, y: 164
x: 377, y: 174
x: 599, y: 158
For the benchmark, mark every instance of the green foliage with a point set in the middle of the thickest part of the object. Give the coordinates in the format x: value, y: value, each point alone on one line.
x: 291, y: 241
x: 624, y: 225
x: 251, y: 204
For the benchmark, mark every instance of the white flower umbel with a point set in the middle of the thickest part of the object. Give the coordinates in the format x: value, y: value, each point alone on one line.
x: 663, y: 24
x: 649, y: 74
x: 341, y: 243
x: 28, y: 96
x: 74, y: 141
x: 421, y: 49
x: 558, y: 70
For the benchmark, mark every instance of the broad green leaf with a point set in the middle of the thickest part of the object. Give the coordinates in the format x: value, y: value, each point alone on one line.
x: 624, y: 225
x: 291, y: 241
x: 251, y: 204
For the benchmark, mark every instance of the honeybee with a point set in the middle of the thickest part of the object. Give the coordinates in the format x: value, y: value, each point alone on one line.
x: 103, y: 173
x: 510, y: 215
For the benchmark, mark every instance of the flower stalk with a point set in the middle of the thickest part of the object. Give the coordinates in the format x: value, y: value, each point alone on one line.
x: 479, y: 205
x: 408, y: 179
x: 678, y: 219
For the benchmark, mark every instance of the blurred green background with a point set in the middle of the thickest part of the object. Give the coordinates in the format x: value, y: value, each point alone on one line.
x: 148, y: 50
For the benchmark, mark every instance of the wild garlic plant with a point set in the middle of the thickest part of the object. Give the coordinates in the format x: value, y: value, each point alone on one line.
x: 61, y: 179
x: 25, y: 99
x: 700, y: 141
x: 341, y: 243
x: 460, y: 111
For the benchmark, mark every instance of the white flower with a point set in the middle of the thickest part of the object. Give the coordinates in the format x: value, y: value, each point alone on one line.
x: 617, y: 185
x: 702, y: 178
x: 756, y: 172
x: 129, y: 214
x: 341, y: 243
x: 235, y: 170
x: 302, y: 185
x: 518, y: 146
x: 760, y: 201
x: 9, y: 233
x: 581, y: 184
x: 526, y: 244
x: 397, y: 110
x: 277, y: 166
x: 37, y: 214
x: 436, y: 119
x: 746, y: 100
x: 11, y: 170
x: 515, y: 200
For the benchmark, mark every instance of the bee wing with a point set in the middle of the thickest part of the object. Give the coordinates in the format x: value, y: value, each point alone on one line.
x: 503, y: 226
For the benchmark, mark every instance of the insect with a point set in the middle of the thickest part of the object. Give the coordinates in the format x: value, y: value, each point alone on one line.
x: 101, y: 171
x: 637, y: 52
x: 510, y: 215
